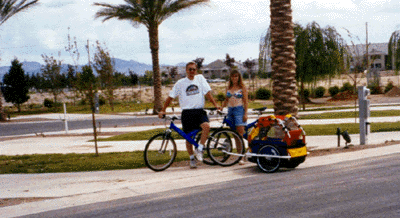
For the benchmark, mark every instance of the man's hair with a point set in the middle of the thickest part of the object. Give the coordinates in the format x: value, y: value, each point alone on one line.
x: 190, y: 63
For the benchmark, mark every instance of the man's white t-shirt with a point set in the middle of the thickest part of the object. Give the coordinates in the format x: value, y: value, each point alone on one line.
x: 191, y: 92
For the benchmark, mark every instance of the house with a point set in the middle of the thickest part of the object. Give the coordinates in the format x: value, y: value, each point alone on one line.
x: 216, y: 69
x: 377, y: 53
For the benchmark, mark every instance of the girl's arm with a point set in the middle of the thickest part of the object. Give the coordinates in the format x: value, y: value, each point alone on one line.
x: 245, y: 103
x: 225, y: 102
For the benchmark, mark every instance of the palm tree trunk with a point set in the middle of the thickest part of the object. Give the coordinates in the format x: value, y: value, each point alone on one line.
x: 2, y: 114
x: 154, y: 47
x: 284, y: 92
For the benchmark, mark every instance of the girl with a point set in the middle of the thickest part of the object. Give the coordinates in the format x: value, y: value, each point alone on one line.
x: 237, y: 101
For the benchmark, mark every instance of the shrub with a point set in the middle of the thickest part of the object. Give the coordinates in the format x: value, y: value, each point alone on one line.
x: 347, y: 87
x: 102, y: 100
x: 389, y: 86
x: 263, y: 94
x: 220, y: 97
x: 48, y: 103
x: 82, y: 102
x: 251, y: 95
x: 319, y: 92
x: 333, y: 90
x: 375, y: 89
x: 305, y: 93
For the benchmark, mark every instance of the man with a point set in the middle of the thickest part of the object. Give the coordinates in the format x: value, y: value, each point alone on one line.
x: 191, y: 91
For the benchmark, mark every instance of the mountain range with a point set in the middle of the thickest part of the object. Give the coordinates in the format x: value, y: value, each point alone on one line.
x: 121, y: 66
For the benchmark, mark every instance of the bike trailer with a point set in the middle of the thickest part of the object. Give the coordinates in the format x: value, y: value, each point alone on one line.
x: 272, y: 143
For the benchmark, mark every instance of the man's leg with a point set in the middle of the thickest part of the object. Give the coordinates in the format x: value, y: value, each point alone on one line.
x: 189, y: 148
x: 205, y: 130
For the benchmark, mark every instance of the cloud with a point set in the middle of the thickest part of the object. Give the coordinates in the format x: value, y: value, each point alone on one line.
x: 58, y: 3
x: 50, y: 39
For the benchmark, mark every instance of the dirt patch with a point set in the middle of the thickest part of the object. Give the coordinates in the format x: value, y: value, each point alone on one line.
x: 5, y: 202
x: 344, y: 96
x: 394, y: 92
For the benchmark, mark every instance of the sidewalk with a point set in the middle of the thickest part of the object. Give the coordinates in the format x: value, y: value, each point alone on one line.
x: 81, y: 144
x: 72, y: 189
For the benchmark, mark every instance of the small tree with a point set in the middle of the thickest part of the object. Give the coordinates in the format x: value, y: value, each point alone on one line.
x: 52, y: 74
x: 249, y: 64
x: 394, y: 53
x: 104, y: 66
x: 88, y: 85
x: 73, y: 51
x: 229, y: 61
x: 7, y: 10
x: 199, y: 63
x: 173, y: 72
x: 16, y: 85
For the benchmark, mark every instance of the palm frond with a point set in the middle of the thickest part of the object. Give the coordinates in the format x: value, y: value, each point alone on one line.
x: 171, y: 7
x: 9, y: 8
x: 132, y: 12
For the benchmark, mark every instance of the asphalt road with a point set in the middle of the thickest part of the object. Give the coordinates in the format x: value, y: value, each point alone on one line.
x: 362, y: 188
x: 21, y: 128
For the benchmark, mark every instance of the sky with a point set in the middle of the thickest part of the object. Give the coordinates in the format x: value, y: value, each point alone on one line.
x: 210, y: 32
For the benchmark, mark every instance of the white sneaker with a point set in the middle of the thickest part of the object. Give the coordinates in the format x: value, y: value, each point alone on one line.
x: 193, y: 163
x: 199, y: 155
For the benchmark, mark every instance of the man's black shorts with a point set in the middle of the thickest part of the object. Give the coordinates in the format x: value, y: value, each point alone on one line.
x: 192, y: 119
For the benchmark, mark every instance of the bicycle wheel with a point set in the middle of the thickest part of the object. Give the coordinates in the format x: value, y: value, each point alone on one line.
x: 225, y: 147
x: 268, y: 164
x: 160, y: 152
x: 206, y: 159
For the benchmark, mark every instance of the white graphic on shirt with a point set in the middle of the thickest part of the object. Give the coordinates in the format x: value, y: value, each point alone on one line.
x: 192, y: 90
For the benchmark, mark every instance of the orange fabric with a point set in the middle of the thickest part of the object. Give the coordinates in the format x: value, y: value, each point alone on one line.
x: 294, y: 135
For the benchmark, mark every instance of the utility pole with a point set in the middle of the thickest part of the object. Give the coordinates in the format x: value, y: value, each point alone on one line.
x: 366, y: 43
x: 88, y: 52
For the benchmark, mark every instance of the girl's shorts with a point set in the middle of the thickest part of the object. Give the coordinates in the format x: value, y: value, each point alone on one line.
x: 235, y: 115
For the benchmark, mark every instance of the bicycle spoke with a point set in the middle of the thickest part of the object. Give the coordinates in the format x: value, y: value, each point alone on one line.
x: 160, y: 152
x: 225, y: 147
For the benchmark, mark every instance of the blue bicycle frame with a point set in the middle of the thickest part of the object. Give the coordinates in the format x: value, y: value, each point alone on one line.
x: 189, y: 136
x: 233, y: 127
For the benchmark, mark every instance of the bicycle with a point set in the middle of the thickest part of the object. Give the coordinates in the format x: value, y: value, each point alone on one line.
x: 161, y: 150
x: 219, y: 154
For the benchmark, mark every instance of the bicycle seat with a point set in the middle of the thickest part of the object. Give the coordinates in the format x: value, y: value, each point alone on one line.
x: 210, y: 108
x: 260, y: 110
x: 173, y: 117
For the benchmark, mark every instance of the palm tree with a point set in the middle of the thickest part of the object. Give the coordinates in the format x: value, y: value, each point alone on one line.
x: 150, y: 13
x: 284, y: 92
x: 9, y: 8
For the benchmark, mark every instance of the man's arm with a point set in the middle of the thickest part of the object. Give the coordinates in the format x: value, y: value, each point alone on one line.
x: 212, y: 100
x: 166, y: 104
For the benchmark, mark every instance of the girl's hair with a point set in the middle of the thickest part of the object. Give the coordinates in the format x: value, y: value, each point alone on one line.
x: 240, y: 81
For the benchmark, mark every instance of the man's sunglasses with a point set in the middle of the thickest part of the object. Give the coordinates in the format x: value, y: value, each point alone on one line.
x: 192, y: 69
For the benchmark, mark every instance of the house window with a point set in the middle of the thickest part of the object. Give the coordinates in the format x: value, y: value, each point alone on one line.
x: 375, y: 57
x: 378, y: 65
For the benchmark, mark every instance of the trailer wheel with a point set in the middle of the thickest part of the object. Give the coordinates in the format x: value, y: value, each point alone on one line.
x: 268, y: 164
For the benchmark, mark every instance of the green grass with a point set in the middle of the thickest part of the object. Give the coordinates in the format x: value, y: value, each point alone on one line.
x: 350, y: 114
x: 85, y: 109
x: 311, y: 130
x: 59, y: 163
x: 352, y: 128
